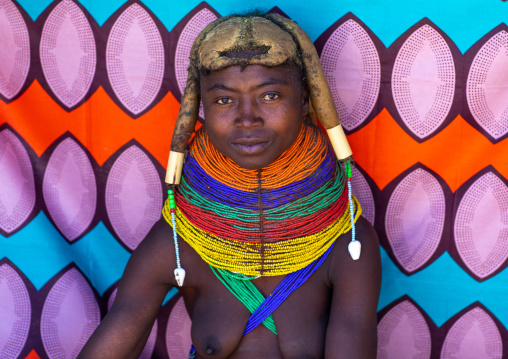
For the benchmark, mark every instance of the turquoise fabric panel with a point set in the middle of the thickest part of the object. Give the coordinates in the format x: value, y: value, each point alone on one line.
x: 40, y: 252
x: 441, y: 298
x: 465, y: 22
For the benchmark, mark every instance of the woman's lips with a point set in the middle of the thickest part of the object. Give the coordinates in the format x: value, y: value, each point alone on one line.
x: 250, y: 147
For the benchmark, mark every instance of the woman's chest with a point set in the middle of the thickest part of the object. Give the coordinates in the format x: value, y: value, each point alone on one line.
x: 219, y: 319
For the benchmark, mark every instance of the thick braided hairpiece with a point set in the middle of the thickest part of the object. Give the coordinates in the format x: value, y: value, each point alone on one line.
x: 268, y: 40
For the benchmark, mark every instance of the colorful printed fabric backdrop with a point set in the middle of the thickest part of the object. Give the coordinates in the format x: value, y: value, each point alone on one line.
x: 90, y: 91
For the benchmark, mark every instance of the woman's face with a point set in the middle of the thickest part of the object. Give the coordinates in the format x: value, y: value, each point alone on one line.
x: 253, y: 116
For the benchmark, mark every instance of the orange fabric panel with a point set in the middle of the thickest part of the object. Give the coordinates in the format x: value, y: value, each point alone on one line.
x: 99, y: 124
x: 384, y: 150
x: 32, y: 355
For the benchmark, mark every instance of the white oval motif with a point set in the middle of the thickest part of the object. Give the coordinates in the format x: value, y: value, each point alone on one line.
x: 17, y: 186
x: 178, y: 332
x: 423, y: 81
x: 473, y: 336
x: 481, y: 225
x: 69, y: 316
x: 15, y: 314
x: 133, y: 196
x: 183, y: 48
x: 135, y: 59
x: 68, y: 54
x: 487, y: 94
x: 415, y: 218
x: 150, y: 343
x: 403, y: 333
x: 15, y: 50
x: 353, y: 70
x: 363, y: 194
x: 69, y: 189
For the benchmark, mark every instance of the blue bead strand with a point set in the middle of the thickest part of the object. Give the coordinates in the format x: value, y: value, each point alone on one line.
x: 172, y: 206
x: 351, y: 212
x: 288, y: 285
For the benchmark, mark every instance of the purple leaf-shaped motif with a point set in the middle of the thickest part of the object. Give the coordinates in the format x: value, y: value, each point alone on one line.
x: 14, y: 50
x: 15, y: 313
x: 363, y: 194
x: 17, y: 187
x: 69, y: 316
x: 150, y: 343
x: 352, y: 67
x: 474, y: 335
x: 415, y: 218
x: 133, y: 196
x: 178, y: 332
x: 187, y: 37
x: 68, y: 55
x: 403, y: 333
x: 486, y: 90
x: 481, y: 225
x: 183, y: 48
x: 423, y: 81
x: 135, y: 59
x: 69, y: 189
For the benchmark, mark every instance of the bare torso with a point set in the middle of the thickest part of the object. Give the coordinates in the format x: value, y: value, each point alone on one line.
x: 332, y: 315
x: 219, y: 319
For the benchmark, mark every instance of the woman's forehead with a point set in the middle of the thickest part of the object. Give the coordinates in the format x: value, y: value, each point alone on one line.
x: 253, y: 76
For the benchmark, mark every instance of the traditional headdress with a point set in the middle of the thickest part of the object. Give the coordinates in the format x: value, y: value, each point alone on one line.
x: 267, y: 40
x: 273, y: 40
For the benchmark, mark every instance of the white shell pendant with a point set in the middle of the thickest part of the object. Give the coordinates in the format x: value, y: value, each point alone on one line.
x: 354, y: 248
x: 180, y: 276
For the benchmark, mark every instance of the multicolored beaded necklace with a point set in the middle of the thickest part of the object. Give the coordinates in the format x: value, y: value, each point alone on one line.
x: 280, y: 220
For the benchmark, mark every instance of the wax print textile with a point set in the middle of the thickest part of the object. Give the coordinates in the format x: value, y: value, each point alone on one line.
x: 89, y: 94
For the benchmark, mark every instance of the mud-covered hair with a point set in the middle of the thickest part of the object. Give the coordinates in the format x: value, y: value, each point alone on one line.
x: 253, y: 39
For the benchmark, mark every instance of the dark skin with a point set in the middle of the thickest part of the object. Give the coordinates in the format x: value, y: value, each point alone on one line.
x: 252, y: 116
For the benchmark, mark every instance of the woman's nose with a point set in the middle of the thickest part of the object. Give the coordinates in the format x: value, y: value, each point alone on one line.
x: 248, y: 114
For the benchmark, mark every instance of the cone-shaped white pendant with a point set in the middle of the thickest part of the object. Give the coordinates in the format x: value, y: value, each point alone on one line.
x: 180, y: 276
x: 354, y: 248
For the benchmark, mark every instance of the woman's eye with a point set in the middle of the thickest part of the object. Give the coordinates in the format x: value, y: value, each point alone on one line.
x: 270, y: 96
x: 224, y: 101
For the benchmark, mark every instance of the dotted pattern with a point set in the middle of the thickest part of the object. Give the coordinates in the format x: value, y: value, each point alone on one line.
x: 12, y: 285
x: 12, y: 81
x: 72, y: 209
x: 55, y: 347
x: 178, y: 332
x: 351, y: 65
x: 118, y: 76
x: 363, y: 194
x: 468, y: 209
x: 475, y: 319
x: 390, y: 330
x: 486, y: 92
x: 54, y: 59
x: 12, y: 153
x: 184, y: 45
x: 423, y: 89
x: 400, y: 211
x: 150, y: 343
x: 134, y: 171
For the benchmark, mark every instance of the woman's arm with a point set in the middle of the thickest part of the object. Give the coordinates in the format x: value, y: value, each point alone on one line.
x: 144, y: 284
x: 352, y: 327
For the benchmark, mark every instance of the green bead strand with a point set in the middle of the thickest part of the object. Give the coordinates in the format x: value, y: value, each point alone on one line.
x: 243, y: 289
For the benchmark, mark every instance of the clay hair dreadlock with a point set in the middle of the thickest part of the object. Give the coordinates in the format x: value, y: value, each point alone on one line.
x: 261, y: 39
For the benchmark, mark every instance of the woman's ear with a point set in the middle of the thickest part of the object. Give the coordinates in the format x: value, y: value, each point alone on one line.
x: 307, y: 107
x: 305, y: 100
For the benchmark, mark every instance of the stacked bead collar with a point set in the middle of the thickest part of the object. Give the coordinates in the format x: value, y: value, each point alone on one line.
x: 271, y: 221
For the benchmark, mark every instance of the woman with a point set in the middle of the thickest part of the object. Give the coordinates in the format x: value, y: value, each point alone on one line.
x: 262, y: 210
